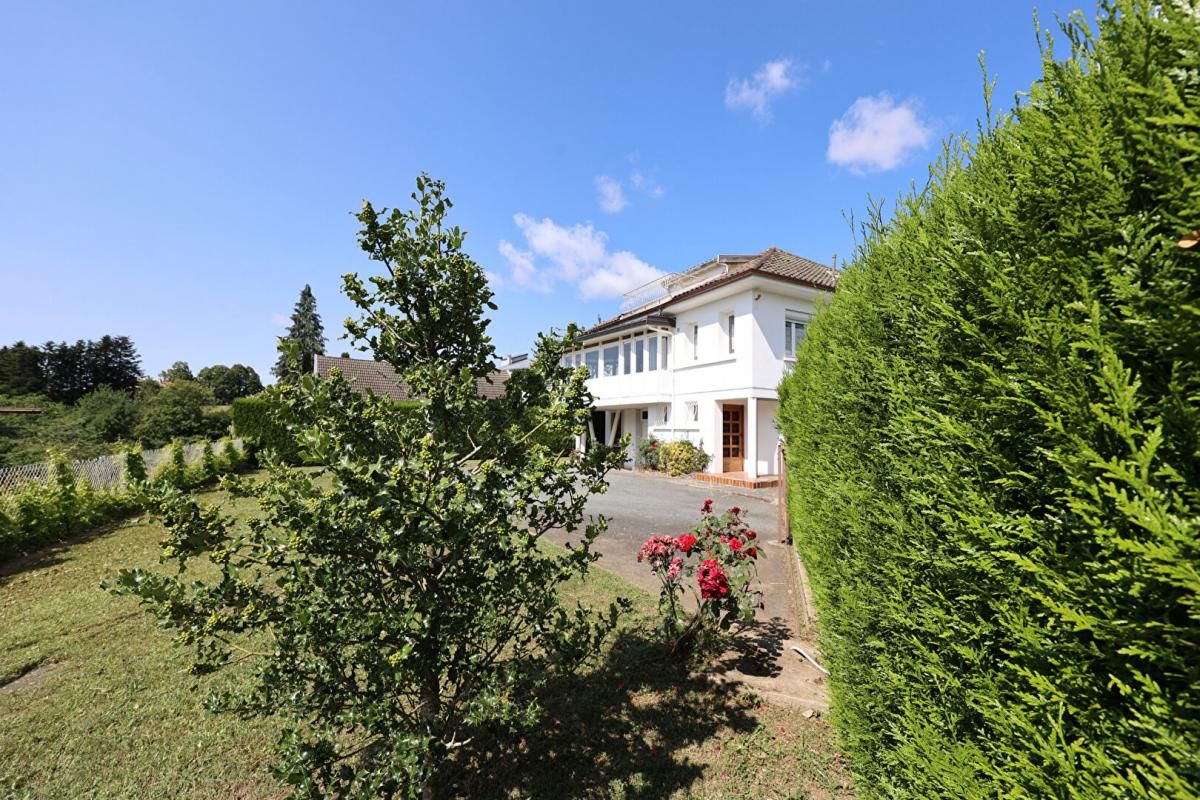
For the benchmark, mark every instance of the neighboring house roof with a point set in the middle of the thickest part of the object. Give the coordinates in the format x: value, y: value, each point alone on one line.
x: 771, y: 263
x: 381, y: 378
x: 20, y: 410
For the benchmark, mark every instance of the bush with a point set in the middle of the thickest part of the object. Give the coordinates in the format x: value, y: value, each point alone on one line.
x: 40, y: 513
x: 262, y: 420
x: 721, y: 553
x: 682, y: 458
x: 647, y: 455
x: 177, y: 411
x: 992, y: 442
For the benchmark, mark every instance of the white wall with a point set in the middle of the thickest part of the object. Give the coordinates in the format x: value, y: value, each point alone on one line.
x: 710, y: 375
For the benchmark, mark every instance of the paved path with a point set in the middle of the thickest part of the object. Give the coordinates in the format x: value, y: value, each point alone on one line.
x: 640, y: 505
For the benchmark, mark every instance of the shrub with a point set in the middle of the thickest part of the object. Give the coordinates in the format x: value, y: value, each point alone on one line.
x: 721, y: 553
x: 263, y: 421
x: 647, y: 455
x: 992, y: 443
x: 176, y: 411
x: 682, y: 458
x: 400, y: 591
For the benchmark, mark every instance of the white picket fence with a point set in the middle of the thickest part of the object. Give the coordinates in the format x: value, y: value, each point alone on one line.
x: 103, y: 471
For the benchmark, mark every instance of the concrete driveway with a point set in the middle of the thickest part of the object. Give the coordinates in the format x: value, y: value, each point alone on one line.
x: 641, y: 505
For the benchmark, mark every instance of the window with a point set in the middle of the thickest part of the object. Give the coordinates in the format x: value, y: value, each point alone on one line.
x: 666, y: 414
x: 645, y: 413
x: 639, y: 357
x: 693, y: 412
x: 666, y: 352
x: 610, y: 360
x: 793, y: 333
x: 652, y: 353
x: 592, y: 359
x: 729, y: 330
x: 625, y: 353
x: 695, y: 341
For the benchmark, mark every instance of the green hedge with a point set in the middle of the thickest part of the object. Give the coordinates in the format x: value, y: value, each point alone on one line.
x: 37, y: 514
x: 267, y: 423
x: 259, y: 420
x: 994, y: 446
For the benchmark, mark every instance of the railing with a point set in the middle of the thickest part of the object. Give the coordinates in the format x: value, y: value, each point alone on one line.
x: 102, y: 471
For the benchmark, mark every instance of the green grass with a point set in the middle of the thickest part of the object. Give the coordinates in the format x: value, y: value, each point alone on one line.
x: 106, y: 708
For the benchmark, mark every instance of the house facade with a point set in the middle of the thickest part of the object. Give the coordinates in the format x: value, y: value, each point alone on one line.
x: 699, y: 355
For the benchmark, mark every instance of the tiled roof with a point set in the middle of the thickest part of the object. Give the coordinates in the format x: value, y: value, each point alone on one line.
x: 772, y: 263
x: 381, y: 378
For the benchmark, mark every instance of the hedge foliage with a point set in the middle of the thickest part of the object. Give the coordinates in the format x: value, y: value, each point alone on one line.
x: 994, y: 444
x: 38, y: 514
x: 267, y: 425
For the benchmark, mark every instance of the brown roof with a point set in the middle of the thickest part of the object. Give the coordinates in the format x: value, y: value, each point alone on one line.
x: 381, y: 378
x: 771, y: 263
x: 20, y: 410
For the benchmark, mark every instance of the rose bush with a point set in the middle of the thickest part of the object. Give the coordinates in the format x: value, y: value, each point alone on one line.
x: 720, y: 555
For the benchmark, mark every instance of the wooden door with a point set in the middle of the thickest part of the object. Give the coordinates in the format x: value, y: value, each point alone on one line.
x: 732, y: 430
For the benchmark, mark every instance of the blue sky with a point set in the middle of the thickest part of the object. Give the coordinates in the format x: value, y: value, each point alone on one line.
x: 176, y: 173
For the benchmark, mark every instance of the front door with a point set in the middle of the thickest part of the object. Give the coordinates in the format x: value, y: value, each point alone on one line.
x: 731, y: 438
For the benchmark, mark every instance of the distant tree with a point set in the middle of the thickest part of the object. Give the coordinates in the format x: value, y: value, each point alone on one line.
x: 69, y: 371
x: 66, y: 371
x: 176, y: 411
x: 179, y: 371
x: 229, y: 383
x: 307, y: 334
x: 113, y: 361
x: 109, y: 413
x: 21, y: 370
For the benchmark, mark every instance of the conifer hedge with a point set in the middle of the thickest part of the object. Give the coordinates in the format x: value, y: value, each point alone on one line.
x: 994, y: 444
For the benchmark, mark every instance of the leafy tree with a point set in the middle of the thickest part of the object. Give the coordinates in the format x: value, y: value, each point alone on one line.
x: 397, y: 602
x: 176, y: 411
x: 110, y: 414
x: 21, y: 370
x: 179, y: 371
x: 229, y: 383
x: 308, y: 335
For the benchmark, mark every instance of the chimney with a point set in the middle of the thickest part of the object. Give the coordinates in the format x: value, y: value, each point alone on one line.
x: 835, y: 260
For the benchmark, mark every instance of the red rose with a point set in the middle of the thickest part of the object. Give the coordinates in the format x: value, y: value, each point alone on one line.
x: 752, y: 552
x: 735, y: 510
x: 713, y: 583
x: 707, y: 507
x: 735, y: 544
x: 751, y: 534
x: 685, y: 543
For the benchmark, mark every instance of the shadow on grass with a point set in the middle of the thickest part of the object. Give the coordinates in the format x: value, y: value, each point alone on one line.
x: 55, y: 552
x: 620, y: 730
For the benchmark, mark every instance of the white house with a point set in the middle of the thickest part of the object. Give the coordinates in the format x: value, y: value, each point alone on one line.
x: 699, y: 355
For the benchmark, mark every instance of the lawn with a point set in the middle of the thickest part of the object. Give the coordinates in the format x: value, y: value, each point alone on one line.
x: 95, y: 703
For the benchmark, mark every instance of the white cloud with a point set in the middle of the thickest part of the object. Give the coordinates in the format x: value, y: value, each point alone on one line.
x: 524, y: 271
x: 610, y: 195
x: 757, y: 92
x: 577, y: 255
x: 877, y: 134
x: 647, y: 186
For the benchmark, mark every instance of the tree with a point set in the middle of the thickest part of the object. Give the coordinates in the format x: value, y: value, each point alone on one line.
x: 21, y: 370
x: 308, y: 336
x: 176, y: 411
x: 229, y: 383
x: 66, y: 370
x: 398, y: 600
x: 110, y: 414
x: 113, y: 361
x: 179, y: 371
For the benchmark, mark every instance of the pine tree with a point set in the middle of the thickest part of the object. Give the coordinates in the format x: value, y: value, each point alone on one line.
x: 307, y: 333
